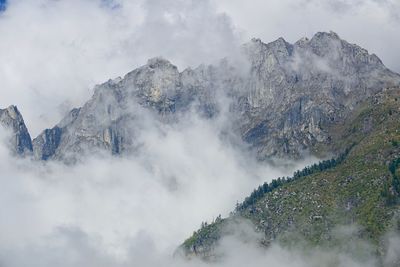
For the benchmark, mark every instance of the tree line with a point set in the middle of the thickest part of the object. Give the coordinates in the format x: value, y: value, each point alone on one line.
x: 259, y: 192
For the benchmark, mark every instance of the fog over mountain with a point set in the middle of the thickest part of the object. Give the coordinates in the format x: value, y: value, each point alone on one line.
x: 280, y: 106
x: 78, y: 44
x: 118, y: 211
x: 124, y: 125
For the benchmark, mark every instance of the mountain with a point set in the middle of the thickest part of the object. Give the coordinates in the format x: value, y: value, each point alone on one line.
x: 11, y: 118
x: 321, y: 96
x: 281, y: 100
x: 360, y: 189
x: 108, y: 120
x: 297, y: 91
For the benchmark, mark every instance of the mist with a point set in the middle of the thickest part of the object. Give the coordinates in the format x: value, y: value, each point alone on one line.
x: 124, y: 211
x: 372, y: 24
x: 54, y: 52
x: 136, y: 209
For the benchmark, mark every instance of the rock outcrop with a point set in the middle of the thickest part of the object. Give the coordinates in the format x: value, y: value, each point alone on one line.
x: 11, y: 119
x: 111, y: 118
x: 296, y: 90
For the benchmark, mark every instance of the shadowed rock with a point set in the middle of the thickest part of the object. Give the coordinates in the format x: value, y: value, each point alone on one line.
x: 11, y: 118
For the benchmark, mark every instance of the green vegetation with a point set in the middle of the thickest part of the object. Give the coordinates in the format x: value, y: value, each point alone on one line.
x: 275, y: 183
x: 208, y: 233
x: 360, y: 187
x: 393, y: 166
x: 391, y: 190
x: 395, y: 143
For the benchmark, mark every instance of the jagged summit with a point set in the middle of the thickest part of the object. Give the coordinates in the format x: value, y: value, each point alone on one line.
x: 330, y: 41
x: 328, y: 35
x: 275, y: 46
x: 281, y: 106
x: 12, y: 111
x: 280, y: 42
x: 11, y: 118
x: 109, y: 121
x: 302, y: 42
x: 158, y: 62
x: 322, y: 44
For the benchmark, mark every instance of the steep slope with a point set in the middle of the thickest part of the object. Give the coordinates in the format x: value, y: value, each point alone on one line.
x: 361, y: 188
x: 297, y: 90
x: 282, y: 105
x: 11, y: 118
x: 110, y: 119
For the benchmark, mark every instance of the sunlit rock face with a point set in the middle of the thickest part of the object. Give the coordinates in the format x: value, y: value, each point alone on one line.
x: 11, y: 120
x: 280, y: 104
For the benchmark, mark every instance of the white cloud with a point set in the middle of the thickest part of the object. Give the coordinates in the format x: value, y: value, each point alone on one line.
x: 125, y: 211
x: 53, y: 52
x: 114, y: 211
x: 372, y: 24
x: 136, y: 210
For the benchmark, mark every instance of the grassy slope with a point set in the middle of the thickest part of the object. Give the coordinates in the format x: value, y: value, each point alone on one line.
x: 354, y: 192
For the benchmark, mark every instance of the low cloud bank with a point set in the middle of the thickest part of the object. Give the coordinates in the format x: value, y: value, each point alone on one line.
x: 137, y: 209
x: 124, y: 211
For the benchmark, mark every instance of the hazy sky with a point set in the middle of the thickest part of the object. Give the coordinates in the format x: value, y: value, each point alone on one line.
x: 134, y: 211
x: 52, y: 53
x: 373, y: 24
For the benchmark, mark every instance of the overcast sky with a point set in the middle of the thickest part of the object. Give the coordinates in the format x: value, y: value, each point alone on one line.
x: 372, y: 24
x: 52, y: 53
x: 135, y: 211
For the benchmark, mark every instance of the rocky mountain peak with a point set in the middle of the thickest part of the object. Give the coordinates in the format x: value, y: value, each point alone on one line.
x: 11, y: 119
x: 279, y: 45
x: 155, y: 79
x: 327, y: 35
x: 278, y: 48
x: 160, y: 62
x: 12, y: 112
x: 302, y: 42
x: 281, y: 105
x: 317, y: 80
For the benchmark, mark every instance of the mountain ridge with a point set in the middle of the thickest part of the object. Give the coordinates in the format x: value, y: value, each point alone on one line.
x: 310, y: 83
x: 320, y: 96
x: 281, y: 107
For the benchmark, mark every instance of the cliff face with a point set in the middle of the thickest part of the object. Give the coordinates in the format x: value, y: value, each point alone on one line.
x: 281, y: 105
x: 11, y: 118
x: 110, y: 119
x: 297, y: 90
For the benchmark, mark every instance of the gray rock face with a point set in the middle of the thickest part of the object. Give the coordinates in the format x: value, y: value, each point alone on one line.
x: 280, y: 106
x: 11, y: 118
x: 296, y: 90
x: 110, y: 119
